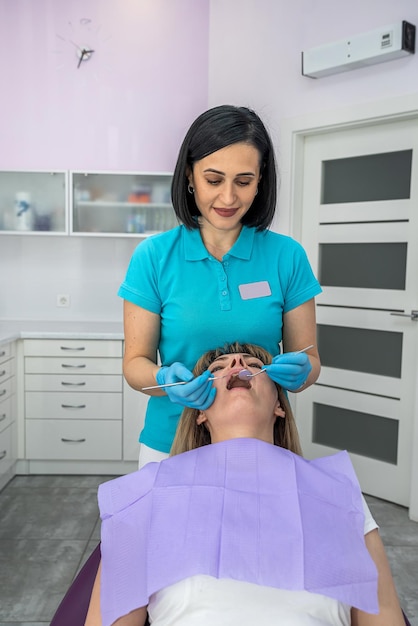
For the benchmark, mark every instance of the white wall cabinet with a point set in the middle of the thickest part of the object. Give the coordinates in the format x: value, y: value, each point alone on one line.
x: 126, y: 204
x: 94, y: 204
x: 33, y: 202
x: 8, y: 443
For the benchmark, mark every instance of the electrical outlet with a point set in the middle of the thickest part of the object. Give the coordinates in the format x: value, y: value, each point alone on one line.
x: 63, y: 299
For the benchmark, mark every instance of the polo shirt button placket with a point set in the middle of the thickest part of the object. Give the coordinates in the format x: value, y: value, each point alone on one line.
x: 224, y: 300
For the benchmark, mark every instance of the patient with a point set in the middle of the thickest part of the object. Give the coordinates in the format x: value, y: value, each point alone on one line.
x: 242, y: 531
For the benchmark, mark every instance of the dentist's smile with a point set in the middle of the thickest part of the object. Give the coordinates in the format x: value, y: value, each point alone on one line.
x: 225, y: 212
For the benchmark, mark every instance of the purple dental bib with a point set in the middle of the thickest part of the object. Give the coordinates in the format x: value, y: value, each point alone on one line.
x: 241, y: 509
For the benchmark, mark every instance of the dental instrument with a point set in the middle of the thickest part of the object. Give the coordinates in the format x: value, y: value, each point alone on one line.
x: 244, y: 374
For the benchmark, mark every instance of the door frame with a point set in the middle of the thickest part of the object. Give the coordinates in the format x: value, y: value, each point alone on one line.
x: 294, y: 131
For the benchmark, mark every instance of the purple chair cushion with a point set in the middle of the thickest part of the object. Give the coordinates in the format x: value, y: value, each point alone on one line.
x: 407, y: 622
x: 73, y: 608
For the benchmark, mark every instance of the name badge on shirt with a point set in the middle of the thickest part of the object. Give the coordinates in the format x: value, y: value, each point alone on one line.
x: 255, y: 290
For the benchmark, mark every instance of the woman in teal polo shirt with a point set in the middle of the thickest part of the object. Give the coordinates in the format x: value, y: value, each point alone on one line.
x: 220, y: 276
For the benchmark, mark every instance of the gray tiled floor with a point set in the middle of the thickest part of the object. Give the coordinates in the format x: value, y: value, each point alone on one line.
x: 49, y: 525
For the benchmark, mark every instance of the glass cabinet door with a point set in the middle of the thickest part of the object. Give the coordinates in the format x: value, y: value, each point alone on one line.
x: 128, y: 204
x: 33, y: 202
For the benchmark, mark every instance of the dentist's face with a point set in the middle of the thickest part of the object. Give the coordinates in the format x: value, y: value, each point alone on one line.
x: 225, y: 184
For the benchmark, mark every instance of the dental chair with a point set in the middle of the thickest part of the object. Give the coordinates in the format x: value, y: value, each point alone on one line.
x: 73, y: 608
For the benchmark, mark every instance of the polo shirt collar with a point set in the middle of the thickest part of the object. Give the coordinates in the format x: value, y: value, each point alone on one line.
x: 194, y: 248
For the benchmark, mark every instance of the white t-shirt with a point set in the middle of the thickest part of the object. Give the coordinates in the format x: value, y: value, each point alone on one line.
x: 208, y: 601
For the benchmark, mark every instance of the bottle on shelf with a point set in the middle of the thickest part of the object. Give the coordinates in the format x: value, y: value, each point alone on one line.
x: 24, y: 217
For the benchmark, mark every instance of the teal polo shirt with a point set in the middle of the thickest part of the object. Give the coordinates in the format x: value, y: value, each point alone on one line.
x: 204, y: 303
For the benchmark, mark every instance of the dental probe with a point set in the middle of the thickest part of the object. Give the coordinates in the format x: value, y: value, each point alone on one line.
x: 244, y: 374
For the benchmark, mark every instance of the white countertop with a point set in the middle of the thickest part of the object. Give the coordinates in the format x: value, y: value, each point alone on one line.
x: 40, y: 329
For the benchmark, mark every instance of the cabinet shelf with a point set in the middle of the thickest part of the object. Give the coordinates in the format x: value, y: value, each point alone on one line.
x: 121, y: 205
x: 128, y: 206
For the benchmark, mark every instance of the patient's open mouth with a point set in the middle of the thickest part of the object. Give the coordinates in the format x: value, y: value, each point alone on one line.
x: 234, y: 381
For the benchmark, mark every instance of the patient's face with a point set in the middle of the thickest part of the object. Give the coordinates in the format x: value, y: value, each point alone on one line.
x: 249, y: 401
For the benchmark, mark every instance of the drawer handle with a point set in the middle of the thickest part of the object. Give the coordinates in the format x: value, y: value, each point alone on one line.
x: 72, y: 384
x: 2, y: 373
x: 73, y: 406
x: 3, y: 454
x: 78, y: 367
x: 3, y: 417
x: 2, y: 353
x: 3, y: 392
x: 74, y: 349
x: 72, y: 440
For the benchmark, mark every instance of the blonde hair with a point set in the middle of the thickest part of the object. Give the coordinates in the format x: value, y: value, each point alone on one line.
x: 190, y: 435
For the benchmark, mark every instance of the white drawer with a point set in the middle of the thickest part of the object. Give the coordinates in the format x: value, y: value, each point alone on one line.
x: 6, y: 456
x: 80, y: 365
x: 6, y: 417
x: 7, y: 369
x: 6, y: 389
x: 58, y: 405
x: 80, y: 440
x: 73, y: 347
x: 73, y: 382
x: 5, y: 352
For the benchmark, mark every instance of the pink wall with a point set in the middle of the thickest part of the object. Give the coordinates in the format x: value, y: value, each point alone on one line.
x: 265, y: 72
x: 125, y: 109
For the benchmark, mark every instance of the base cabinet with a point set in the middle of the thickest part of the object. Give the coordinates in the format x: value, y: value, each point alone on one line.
x: 73, y: 440
x: 134, y: 408
x: 8, y: 442
x: 65, y: 408
x: 73, y: 391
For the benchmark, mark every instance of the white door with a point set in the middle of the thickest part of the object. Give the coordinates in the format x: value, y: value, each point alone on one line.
x: 360, y: 230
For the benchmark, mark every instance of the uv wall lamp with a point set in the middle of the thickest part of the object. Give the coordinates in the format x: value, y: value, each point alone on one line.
x: 383, y: 44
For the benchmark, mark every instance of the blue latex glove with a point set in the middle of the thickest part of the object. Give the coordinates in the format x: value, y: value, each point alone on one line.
x: 199, y: 393
x: 290, y: 370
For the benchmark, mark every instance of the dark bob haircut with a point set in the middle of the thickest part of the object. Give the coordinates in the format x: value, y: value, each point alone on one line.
x: 213, y: 130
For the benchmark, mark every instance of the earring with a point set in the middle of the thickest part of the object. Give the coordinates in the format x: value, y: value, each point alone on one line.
x: 190, y: 189
x: 256, y: 191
